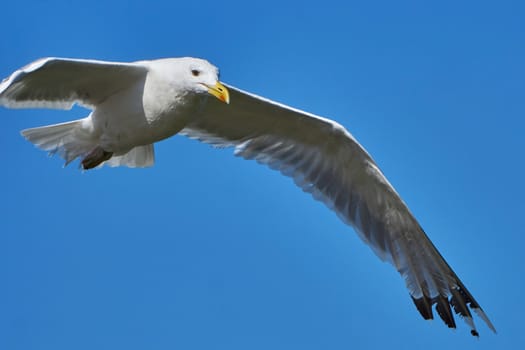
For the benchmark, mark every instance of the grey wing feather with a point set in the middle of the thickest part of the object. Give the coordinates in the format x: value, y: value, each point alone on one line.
x: 325, y: 160
x: 61, y: 82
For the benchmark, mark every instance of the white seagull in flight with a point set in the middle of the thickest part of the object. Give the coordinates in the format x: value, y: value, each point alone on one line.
x: 137, y: 104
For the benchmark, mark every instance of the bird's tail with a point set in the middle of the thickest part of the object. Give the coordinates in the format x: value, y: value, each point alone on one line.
x: 69, y: 140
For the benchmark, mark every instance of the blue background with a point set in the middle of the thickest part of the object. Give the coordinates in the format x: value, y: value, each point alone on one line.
x: 206, y: 251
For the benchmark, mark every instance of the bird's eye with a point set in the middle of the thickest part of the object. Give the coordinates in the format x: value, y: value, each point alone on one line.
x: 195, y: 72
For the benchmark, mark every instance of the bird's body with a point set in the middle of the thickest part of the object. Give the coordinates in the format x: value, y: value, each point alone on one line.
x: 137, y: 104
x: 148, y: 111
x: 151, y: 103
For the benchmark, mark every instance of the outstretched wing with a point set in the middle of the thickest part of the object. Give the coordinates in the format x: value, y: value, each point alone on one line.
x: 61, y: 82
x: 325, y: 160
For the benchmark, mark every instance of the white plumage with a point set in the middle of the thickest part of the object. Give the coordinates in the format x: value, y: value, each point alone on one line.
x: 137, y: 104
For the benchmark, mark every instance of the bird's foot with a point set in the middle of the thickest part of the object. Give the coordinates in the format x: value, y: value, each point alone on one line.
x: 95, y: 158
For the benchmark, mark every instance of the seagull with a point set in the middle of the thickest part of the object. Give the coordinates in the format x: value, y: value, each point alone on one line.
x: 133, y: 105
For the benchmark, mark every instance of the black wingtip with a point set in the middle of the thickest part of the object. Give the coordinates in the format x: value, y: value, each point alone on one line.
x: 444, y: 311
x: 424, y: 306
x: 459, y: 302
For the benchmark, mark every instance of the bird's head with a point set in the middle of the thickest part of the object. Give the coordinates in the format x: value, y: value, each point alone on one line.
x: 202, y: 77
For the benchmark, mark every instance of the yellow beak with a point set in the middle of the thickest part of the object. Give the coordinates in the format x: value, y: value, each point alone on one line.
x: 220, y: 91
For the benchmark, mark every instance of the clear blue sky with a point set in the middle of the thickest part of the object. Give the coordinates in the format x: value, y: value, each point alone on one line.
x: 207, y: 251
